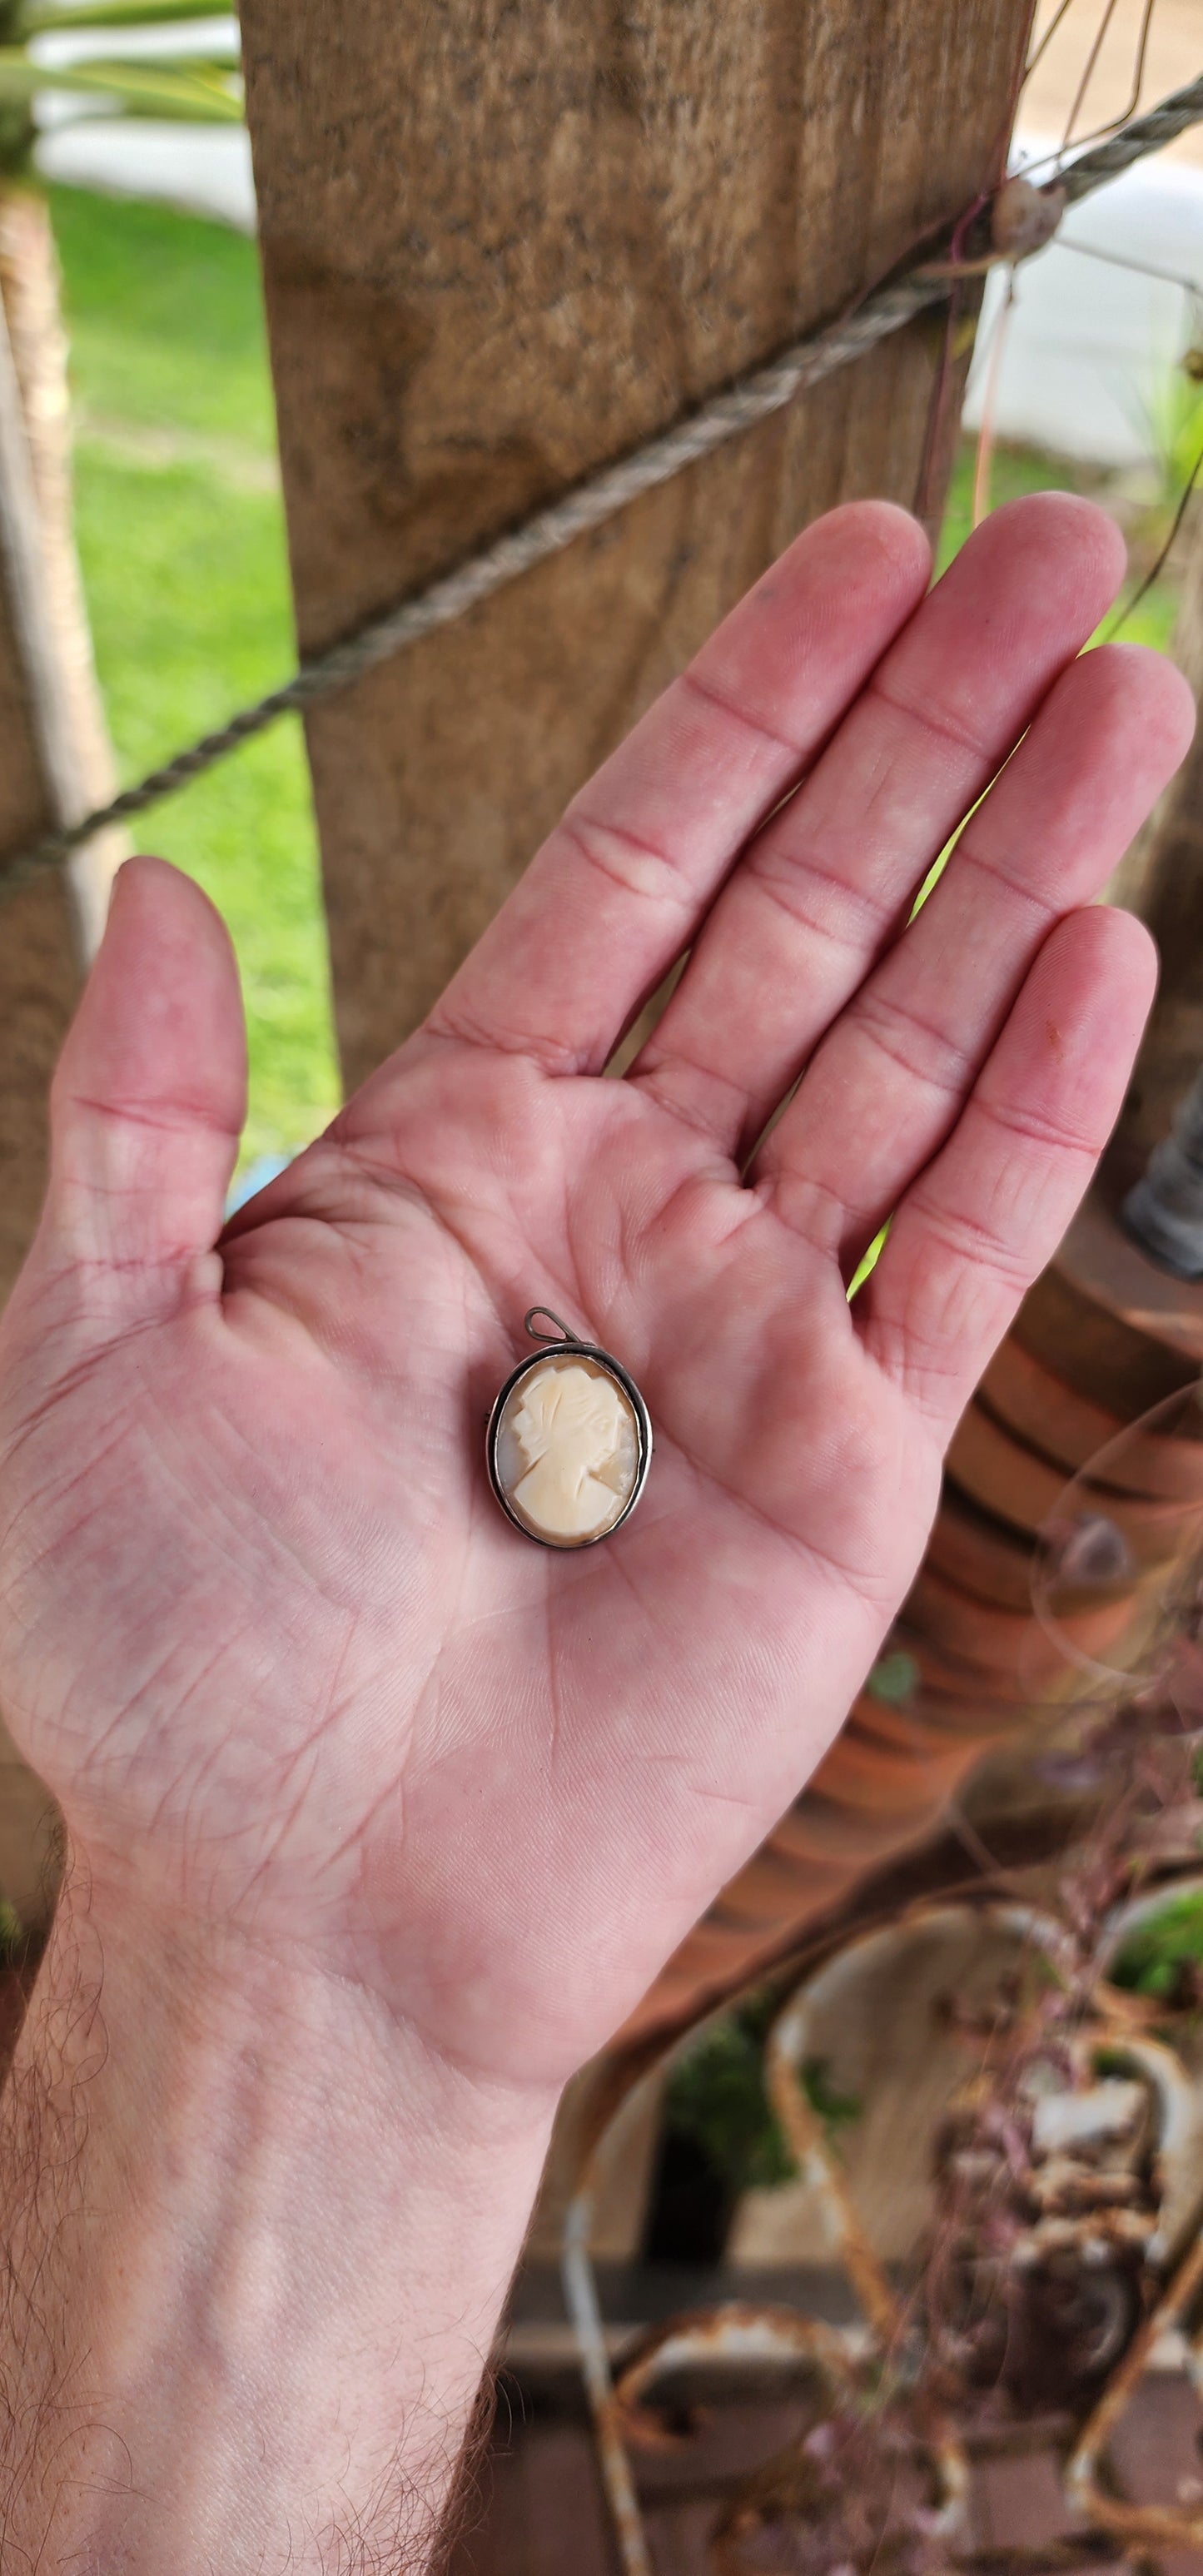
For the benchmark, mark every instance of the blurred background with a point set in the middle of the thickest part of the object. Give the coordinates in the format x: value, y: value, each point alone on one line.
x: 928, y: 2078
x: 179, y: 512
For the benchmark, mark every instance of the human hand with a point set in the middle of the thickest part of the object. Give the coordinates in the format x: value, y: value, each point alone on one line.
x: 294, y: 1679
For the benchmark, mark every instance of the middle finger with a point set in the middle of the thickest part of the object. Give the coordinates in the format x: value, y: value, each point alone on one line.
x: 827, y: 883
x: 891, y: 1079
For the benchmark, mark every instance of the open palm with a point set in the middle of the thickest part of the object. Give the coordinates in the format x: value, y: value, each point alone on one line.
x: 262, y: 1625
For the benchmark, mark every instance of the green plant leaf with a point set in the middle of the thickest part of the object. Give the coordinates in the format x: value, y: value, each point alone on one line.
x: 718, y: 2099
x: 203, y: 93
x: 1163, y: 1956
x: 894, y: 1679
x: 836, y: 2110
x: 47, y: 19
x: 868, y: 1262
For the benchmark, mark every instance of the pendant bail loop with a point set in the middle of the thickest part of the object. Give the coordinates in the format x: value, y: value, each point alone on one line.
x: 562, y: 1333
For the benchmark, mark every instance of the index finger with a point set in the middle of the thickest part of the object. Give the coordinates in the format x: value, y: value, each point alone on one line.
x: 619, y: 889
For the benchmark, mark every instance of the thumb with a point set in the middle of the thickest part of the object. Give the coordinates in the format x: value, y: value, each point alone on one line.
x: 148, y: 1100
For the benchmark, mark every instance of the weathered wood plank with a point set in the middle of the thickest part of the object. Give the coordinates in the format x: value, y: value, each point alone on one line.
x: 56, y: 765
x: 39, y: 965
x: 56, y: 758
x: 501, y: 245
x: 1170, y: 897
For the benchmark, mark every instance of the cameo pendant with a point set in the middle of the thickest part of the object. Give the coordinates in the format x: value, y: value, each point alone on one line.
x: 570, y: 1440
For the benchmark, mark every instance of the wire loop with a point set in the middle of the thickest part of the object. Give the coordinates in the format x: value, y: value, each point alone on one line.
x: 562, y: 1333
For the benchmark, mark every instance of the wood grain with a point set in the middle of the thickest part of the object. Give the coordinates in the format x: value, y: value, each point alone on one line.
x: 503, y: 245
x: 1170, y: 898
x: 60, y: 764
x: 39, y: 961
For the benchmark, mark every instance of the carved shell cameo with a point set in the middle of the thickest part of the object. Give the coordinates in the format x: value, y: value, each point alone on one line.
x: 569, y: 1445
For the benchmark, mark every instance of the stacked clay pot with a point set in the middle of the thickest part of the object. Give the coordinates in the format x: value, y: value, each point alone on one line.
x: 1103, y: 1336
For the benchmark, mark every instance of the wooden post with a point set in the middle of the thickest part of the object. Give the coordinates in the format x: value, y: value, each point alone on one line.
x: 56, y: 759
x: 1170, y: 897
x: 39, y: 946
x: 56, y: 765
x: 503, y: 245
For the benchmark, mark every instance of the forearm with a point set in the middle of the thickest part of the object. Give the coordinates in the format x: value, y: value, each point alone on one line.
x: 255, y: 2244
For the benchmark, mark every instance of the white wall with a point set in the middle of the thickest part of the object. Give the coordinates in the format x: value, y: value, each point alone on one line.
x: 1087, y: 343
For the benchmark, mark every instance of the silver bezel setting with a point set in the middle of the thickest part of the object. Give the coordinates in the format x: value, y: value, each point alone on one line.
x: 549, y: 1343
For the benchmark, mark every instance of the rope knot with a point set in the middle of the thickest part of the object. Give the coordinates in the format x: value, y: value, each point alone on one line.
x: 1024, y: 217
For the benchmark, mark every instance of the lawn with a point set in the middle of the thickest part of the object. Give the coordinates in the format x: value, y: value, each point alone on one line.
x: 181, y: 537
x: 1020, y: 469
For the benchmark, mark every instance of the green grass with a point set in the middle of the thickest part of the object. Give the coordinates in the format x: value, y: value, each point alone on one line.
x: 182, y: 541
x: 1163, y: 1955
x: 166, y: 320
x: 181, y: 538
x: 1017, y: 470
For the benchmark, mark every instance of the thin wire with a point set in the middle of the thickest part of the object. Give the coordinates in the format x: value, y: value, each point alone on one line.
x: 1045, y: 42
x: 1088, y: 73
x: 980, y: 503
x: 1129, y: 143
x: 999, y: 155
x: 1114, y: 124
x: 933, y: 430
x: 591, y: 503
x: 1123, y: 614
x: 1141, y: 53
x: 1193, y: 286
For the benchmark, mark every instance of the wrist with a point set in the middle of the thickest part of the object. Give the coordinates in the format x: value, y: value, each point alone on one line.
x: 284, y: 2228
x: 218, y: 1996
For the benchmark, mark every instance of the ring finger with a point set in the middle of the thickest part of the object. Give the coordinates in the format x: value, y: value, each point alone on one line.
x: 828, y: 882
x: 889, y: 1081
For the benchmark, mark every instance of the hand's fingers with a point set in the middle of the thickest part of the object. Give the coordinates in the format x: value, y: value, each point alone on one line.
x: 890, y: 1079
x: 976, y: 1227
x: 148, y: 1100
x: 616, y: 893
x: 830, y: 880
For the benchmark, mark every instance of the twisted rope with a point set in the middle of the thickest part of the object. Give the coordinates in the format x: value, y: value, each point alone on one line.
x: 589, y: 504
x: 1131, y: 141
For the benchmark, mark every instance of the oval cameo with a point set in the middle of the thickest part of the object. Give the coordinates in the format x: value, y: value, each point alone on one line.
x: 567, y: 1451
